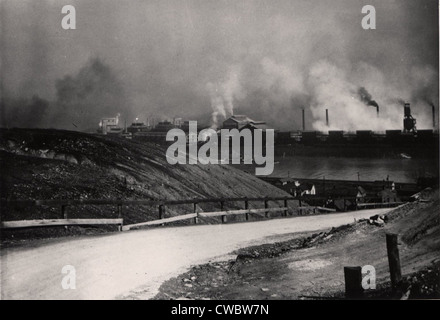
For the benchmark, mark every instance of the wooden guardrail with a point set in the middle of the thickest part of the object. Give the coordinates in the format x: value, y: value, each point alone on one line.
x: 58, y: 222
x: 161, y: 205
x: 379, y: 204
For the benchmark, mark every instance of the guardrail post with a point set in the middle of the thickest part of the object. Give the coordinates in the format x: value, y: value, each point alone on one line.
x: 266, y: 205
x: 246, y: 206
x: 64, y: 213
x: 353, y: 282
x: 196, y: 220
x: 161, y: 212
x: 120, y: 216
x: 222, y: 206
x: 393, y: 259
x: 285, y: 206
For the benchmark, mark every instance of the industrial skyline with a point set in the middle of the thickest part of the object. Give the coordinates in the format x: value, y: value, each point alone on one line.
x: 208, y: 60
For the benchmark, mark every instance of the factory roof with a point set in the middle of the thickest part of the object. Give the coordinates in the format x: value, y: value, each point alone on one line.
x: 241, y: 118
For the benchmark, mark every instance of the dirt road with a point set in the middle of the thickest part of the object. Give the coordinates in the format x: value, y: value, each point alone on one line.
x: 124, y: 264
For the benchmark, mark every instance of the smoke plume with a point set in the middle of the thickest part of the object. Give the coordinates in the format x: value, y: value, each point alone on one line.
x: 222, y: 96
x: 206, y: 60
x: 366, y: 98
x: 24, y: 112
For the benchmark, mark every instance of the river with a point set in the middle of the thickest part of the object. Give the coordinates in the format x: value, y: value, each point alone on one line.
x: 366, y: 169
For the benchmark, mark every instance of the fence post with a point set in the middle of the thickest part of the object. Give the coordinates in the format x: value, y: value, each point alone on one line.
x: 222, y: 206
x: 64, y: 213
x: 161, y: 213
x: 196, y: 220
x: 119, y: 210
x: 246, y: 206
x: 266, y: 205
x: 393, y: 259
x: 300, y: 210
x: 120, y: 216
x: 285, y: 206
x: 353, y: 282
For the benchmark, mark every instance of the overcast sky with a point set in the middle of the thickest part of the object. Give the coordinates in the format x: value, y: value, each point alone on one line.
x: 187, y: 58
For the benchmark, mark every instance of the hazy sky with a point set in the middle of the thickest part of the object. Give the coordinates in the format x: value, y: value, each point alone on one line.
x: 187, y: 58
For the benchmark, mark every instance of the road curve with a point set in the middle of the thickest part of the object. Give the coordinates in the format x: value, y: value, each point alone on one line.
x: 118, y: 265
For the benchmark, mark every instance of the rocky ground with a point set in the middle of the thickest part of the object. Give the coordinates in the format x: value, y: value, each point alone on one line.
x: 311, y: 266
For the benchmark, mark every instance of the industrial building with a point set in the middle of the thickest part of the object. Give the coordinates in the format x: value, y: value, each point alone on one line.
x: 241, y: 121
x: 110, y: 126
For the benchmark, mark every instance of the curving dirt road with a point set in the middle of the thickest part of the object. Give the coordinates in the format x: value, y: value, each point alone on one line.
x: 121, y: 265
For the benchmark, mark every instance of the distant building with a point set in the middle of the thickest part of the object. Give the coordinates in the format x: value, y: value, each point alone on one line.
x: 388, y: 195
x: 241, y: 121
x: 109, y: 126
x: 163, y: 126
x: 158, y: 133
x: 306, y: 189
x: 299, y: 189
x: 177, y: 122
x: 138, y: 127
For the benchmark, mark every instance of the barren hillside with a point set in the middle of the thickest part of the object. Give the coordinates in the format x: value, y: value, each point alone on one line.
x: 54, y: 164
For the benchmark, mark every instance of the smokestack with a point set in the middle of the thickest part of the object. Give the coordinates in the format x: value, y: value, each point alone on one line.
x: 326, y: 116
x: 303, y: 120
x: 377, y: 111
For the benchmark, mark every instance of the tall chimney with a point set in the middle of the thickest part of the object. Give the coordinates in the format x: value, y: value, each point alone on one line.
x: 377, y: 111
x: 326, y: 116
x: 303, y: 120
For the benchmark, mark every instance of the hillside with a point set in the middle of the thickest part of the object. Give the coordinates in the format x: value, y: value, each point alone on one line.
x: 311, y: 266
x: 55, y: 164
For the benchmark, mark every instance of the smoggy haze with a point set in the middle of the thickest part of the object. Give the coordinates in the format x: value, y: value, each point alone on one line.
x: 204, y: 60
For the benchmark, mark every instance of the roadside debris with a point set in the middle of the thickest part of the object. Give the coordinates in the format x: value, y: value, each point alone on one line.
x: 378, y: 220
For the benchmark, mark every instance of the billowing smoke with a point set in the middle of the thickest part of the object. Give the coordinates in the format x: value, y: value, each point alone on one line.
x: 205, y: 60
x: 81, y: 100
x: 366, y: 98
x: 94, y: 92
x: 222, y: 96
x: 27, y: 113
x: 217, y: 105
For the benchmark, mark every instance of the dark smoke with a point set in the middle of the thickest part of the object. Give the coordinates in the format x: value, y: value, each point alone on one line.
x: 366, y: 98
x: 274, y: 52
x: 93, y: 93
x: 81, y: 100
x: 29, y: 113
